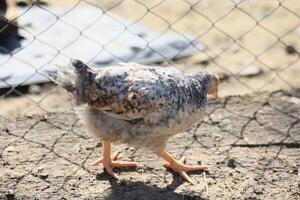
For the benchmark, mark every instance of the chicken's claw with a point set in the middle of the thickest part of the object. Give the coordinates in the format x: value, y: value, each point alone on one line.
x: 182, y: 170
x: 109, y: 162
x: 179, y: 166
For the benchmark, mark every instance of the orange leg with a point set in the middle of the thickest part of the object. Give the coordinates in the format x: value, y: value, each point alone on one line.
x: 109, y: 162
x: 179, y: 166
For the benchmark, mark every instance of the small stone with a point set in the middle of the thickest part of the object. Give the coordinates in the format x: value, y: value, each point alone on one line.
x: 218, y: 138
x: 43, y: 118
x: 257, y: 178
x: 89, y: 147
x: 6, y: 130
x: 258, y: 189
x: 11, y: 149
x: 290, y: 50
x: 294, y: 170
x: 220, y: 162
x: 43, y: 176
x: 10, y: 196
x: 226, y: 121
x: 250, y: 71
x: 5, y: 163
x: 131, y: 149
x: 251, y: 198
x: 231, y: 163
x: 40, y: 168
x: 99, y: 144
x: 29, y: 116
x: 294, y: 100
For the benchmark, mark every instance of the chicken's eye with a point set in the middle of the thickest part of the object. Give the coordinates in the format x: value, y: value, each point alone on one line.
x: 93, y: 97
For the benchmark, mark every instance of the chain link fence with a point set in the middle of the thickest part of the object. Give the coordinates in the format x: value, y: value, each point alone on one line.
x: 251, y: 142
x: 252, y: 45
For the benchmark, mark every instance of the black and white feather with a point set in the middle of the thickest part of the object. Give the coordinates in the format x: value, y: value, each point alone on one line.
x: 139, y: 105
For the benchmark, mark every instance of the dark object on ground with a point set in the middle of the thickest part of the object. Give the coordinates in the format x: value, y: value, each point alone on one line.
x: 9, y: 37
x: 291, y: 50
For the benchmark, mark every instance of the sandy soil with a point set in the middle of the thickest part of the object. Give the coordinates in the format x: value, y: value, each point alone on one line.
x: 251, y: 145
x: 252, y: 36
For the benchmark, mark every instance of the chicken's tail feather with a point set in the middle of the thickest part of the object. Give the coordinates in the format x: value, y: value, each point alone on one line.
x: 82, y: 71
x: 79, y: 66
x: 65, y: 78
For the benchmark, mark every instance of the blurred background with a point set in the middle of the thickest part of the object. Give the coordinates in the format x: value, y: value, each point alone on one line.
x: 252, y: 44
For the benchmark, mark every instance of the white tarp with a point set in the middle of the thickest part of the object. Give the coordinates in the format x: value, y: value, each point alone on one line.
x: 87, y: 34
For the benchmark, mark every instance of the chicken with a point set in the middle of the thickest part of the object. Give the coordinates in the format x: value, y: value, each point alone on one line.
x: 139, y: 105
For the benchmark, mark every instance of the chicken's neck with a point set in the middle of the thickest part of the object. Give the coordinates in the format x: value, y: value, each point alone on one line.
x: 198, y: 86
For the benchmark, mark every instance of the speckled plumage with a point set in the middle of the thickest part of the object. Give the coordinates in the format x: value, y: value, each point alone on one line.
x: 139, y: 105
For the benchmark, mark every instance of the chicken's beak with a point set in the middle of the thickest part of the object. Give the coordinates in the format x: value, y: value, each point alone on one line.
x: 215, y: 94
x: 213, y: 89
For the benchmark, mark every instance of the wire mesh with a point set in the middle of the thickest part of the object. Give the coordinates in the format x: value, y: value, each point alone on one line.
x: 252, y: 45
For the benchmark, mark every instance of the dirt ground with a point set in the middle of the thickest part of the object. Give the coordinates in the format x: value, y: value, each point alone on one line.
x: 239, y: 36
x: 250, y: 143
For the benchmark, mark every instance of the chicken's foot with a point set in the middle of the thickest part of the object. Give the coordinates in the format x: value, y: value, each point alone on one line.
x: 109, y: 161
x: 179, y: 165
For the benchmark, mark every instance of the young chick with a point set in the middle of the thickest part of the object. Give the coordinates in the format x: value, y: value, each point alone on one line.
x: 139, y: 105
